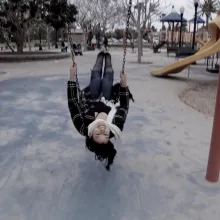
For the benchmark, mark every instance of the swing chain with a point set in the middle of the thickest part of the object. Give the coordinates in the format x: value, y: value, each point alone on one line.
x: 80, y: 94
x: 69, y: 34
x: 71, y: 42
x: 126, y: 35
x: 71, y: 47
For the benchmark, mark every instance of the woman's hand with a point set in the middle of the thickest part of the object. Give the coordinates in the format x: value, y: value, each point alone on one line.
x: 123, y: 79
x: 73, y: 72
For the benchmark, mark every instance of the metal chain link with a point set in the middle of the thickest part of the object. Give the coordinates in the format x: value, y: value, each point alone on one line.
x: 126, y: 36
x: 73, y: 59
x: 71, y: 49
x: 71, y: 42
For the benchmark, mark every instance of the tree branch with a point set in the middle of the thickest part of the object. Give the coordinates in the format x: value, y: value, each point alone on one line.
x: 6, y: 40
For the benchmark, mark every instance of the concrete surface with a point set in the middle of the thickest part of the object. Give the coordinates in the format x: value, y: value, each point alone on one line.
x: 46, y: 173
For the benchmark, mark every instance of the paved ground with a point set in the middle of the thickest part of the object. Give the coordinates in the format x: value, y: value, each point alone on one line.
x: 46, y: 173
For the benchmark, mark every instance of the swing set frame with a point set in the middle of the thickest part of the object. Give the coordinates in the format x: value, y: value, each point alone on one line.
x: 213, y: 167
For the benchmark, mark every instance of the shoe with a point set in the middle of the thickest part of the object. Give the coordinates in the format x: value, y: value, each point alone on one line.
x: 100, y: 58
x: 103, y: 49
x: 101, y: 53
x: 108, y: 60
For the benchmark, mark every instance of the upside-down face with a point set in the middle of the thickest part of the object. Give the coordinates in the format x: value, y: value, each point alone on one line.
x: 101, y: 133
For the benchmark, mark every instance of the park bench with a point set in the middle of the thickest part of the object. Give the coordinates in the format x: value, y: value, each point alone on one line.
x: 171, y: 49
x: 184, y: 52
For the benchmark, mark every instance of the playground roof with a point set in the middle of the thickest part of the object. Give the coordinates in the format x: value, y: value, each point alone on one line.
x: 173, y: 17
x: 199, y: 20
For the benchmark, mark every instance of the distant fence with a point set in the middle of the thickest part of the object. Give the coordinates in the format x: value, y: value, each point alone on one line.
x: 52, y: 45
x: 117, y: 45
x: 33, y: 45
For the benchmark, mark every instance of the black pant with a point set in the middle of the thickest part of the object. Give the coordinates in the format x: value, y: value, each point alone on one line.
x: 102, y: 86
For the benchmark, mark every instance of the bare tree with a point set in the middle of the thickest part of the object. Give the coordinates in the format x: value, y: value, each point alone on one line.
x: 143, y: 13
x: 108, y: 12
x: 97, y: 15
x: 16, y: 16
x: 29, y: 31
x: 49, y: 30
x: 87, y: 17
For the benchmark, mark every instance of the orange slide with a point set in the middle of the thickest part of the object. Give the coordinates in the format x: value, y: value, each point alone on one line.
x: 210, y: 48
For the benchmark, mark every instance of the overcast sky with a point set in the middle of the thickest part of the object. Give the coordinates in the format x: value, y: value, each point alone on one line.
x: 187, y: 4
x: 167, y: 6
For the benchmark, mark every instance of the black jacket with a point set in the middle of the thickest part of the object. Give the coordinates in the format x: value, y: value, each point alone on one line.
x: 83, y: 116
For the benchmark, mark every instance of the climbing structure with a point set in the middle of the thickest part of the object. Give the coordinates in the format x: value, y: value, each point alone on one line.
x: 210, y: 48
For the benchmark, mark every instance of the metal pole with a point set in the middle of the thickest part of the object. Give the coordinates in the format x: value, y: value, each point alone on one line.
x: 194, y: 31
x: 172, y: 34
x: 213, y: 168
x: 40, y: 46
x: 181, y: 26
x: 188, y: 72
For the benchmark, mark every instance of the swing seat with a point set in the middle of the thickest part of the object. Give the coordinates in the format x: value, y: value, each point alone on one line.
x: 156, y: 47
x: 183, y: 52
x: 214, y: 69
x: 77, y: 49
x: 171, y: 49
x: 74, y: 46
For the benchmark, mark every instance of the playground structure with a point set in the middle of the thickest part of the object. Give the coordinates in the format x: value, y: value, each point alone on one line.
x: 210, y: 48
x: 172, y: 38
x: 175, y: 38
x: 186, y: 37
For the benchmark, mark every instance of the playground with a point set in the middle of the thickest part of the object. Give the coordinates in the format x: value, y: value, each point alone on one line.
x: 46, y: 173
x: 160, y: 171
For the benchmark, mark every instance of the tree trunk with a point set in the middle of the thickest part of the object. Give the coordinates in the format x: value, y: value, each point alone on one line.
x: 139, y: 35
x: 85, y: 40
x: 40, y: 46
x: 48, y: 38
x: 20, y: 46
x: 29, y: 41
x: 19, y: 39
x: 56, y: 45
x: 142, y: 46
x: 207, y: 21
x: 139, y: 46
x: 62, y: 34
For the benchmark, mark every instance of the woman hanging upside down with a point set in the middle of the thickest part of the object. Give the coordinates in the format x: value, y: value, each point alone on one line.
x: 100, y: 119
